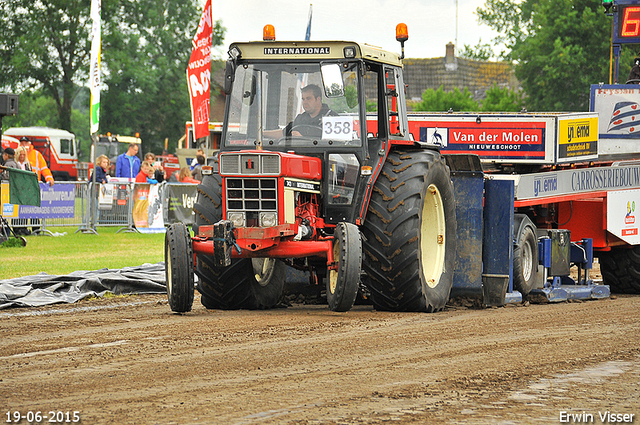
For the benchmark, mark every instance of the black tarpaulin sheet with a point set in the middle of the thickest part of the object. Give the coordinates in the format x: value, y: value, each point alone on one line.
x: 44, y: 289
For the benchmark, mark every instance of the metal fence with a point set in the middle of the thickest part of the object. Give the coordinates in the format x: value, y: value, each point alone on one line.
x: 95, y: 207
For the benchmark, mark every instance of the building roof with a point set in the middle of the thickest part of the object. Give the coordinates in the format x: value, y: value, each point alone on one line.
x: 452, y: 72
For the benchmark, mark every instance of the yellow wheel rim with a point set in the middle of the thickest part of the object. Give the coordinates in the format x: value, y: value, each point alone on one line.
x: 433, y: 237
x: 333, y: 274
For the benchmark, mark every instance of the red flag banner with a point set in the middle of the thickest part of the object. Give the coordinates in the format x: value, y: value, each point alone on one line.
x: 199, y: 74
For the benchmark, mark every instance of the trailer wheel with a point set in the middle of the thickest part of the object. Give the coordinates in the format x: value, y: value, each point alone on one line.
x: 178, y: 257
x: 621, y: 269
x: 343, y: 284
x: 525, y: 256
x: 409, y: 233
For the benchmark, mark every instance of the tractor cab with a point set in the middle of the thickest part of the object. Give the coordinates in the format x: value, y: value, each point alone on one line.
x: 318, y: 100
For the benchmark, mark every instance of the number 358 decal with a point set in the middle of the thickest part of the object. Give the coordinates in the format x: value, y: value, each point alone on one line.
x: 338, y: 128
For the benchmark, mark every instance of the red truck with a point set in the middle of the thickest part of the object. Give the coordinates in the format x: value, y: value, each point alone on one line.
x: 58, y: 147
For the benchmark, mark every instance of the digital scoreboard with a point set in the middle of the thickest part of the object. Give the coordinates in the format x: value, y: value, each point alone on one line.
x: 626, y: 22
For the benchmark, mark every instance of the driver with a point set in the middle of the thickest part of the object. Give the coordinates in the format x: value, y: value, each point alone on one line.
x: 309, y: 123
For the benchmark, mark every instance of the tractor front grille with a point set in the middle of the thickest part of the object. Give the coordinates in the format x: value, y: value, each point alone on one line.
x: 251, y: 196
x: 250, y: 164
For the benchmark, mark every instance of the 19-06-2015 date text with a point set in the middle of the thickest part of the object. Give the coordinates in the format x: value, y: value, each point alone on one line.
x: 52, y: 416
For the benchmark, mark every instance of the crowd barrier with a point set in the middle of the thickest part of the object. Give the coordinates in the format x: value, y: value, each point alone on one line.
x: 138, y: 207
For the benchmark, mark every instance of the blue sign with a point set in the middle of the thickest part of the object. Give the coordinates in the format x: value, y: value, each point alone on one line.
x: 57, y: 201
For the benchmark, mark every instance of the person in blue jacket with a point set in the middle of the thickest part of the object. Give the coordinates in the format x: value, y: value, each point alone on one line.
x: 128, y: 164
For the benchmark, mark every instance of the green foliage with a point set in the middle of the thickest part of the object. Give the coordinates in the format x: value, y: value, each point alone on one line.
x: 502, y: 100
x: 45, y: 45
x: 37, y: 109
x: 439, y: 100
x: 12, y: 243
x: 34, y: 109
x: 146, y: 44
x: 560, y: 47
x: 147, y: 48
x: 480, y: 52
x: 509, y: 18
x: 345, y: 103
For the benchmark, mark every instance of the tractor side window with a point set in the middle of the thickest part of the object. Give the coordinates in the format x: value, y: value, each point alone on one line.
x: 395, y: 102
x: 371, y: 98
x: 345, y: 125
x: 343, y: 175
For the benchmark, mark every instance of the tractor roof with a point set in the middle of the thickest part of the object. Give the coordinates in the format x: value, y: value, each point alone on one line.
x: 313, y: 50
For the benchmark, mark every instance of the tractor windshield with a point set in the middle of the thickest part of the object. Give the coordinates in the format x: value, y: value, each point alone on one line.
x: 303, y: 104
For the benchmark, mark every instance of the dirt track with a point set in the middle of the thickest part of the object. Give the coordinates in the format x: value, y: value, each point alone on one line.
x: 130, y: 360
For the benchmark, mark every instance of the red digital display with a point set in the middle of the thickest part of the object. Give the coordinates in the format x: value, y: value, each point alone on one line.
x: 630, y: 25
x: 626, y: 22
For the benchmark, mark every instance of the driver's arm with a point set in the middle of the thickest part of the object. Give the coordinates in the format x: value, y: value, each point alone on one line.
x: 276, y: 134
x: 273, y: 134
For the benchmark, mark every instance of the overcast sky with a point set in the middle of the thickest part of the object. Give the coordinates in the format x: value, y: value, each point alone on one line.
x: 431, y: 23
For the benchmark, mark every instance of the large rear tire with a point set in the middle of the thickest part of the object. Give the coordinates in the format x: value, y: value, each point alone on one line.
x: 621, y: 269
x: 343, y: 284
x: 178, y: 257
x: 410, y: 233
x: 247, y: 283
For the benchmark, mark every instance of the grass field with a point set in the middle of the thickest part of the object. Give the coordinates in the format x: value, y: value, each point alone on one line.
x: 77, y: 251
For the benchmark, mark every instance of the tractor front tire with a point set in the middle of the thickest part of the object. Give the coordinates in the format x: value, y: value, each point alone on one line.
x: 343, y: 283
x: 178, y: 260
x: 410, y: 233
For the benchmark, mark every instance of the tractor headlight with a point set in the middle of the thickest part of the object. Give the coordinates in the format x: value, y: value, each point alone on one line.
x: 237, y: 218
x: 268, y: 219
x: 349, y: 52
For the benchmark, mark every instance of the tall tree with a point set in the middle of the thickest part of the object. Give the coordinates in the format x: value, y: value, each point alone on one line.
x: 44, y: 44
x: 147, y: 48
x: 560, y: 48
x: 439, y: 100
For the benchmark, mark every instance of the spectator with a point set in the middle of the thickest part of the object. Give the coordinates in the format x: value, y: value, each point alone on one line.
x: 146, y: 173
x: 194, y: 162
x: 21, y: 160
x: 37, y: 162
x: 159, y: 171
x: 185, y: 176
x: 196, y: 173
x: 9, y: 162
x: 128, y: 164
x: 634, y: 74
x: 101, y: 168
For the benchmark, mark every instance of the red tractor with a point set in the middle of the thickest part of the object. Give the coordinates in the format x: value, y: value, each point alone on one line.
x: 305, y: 179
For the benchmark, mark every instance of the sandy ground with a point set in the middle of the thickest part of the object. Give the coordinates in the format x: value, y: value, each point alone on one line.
x: 130, y: 360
